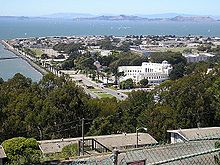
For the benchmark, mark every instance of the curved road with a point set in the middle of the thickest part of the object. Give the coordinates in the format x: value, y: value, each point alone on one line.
x: 87, y: 82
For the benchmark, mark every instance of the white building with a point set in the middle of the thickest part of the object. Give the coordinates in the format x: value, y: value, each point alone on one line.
x: 154, y: 72
x: 197, y: 57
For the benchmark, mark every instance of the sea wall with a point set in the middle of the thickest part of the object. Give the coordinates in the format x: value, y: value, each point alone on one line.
x: 28, y: 60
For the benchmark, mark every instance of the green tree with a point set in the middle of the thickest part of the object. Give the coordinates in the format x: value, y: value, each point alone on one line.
x: 177, y: 72
x: 70, y: 151
x: 144, y: 82
x: 1, y: 80
x: 173, y: 58
x: 106, y: 44
x: 44, y: 56
x: 127, y: 84
x: 22, y: 151
x: 204, y: 48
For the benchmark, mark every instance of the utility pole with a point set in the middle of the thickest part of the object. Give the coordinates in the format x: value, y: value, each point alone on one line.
x: 137, y: 137
x: 40, y: 132
x: 83, y: 136
x: 137, y: 129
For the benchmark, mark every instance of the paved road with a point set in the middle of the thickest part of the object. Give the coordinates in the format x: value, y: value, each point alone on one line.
x: 118, y: 95
x: 87, y: 82
x: 79, y: 77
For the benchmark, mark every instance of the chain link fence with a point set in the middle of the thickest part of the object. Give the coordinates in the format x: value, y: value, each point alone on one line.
x: 199, y: 151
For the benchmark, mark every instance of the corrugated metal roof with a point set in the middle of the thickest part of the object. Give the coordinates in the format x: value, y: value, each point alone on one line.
x: 164, y: 153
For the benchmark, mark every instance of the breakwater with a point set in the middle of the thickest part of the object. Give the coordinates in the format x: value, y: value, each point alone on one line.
x: 27, y: 59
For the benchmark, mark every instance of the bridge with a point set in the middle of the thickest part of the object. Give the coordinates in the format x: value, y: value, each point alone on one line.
x: 8, y: 58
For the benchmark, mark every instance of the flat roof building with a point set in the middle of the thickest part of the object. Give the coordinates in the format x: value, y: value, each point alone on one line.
x: 182, y: 135
x: 191, y: 58
x: 155, y: 73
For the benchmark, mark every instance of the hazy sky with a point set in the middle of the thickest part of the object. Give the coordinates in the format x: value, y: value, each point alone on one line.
x: 43, y: 7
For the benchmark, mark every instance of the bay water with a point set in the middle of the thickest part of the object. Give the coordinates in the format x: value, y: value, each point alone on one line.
x: 22, y: 28
x: 9, y: 67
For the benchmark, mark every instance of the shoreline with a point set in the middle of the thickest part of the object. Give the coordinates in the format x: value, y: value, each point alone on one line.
x: 29, y: 61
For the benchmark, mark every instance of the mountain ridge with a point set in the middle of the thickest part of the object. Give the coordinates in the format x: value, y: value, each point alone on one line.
x: 136, y: 18
x: 122, y: 17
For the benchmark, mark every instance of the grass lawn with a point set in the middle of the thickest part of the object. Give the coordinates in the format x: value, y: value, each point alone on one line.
x: 126, y: 93
x: 105, y: 95
x: 37, y: 51
x: 101, y: 93
x: 95, y: 90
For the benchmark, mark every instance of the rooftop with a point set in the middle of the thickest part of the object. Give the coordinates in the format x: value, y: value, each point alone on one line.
x: 196, y: 133
x: 168, y: 153
x: 110, y: 141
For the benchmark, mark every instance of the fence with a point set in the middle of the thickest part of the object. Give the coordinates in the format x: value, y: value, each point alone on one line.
x: 200, y: 150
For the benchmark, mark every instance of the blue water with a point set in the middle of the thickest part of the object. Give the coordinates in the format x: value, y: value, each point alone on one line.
x: 8, y: 68
x: 13, y: 28
x: 19, y: 28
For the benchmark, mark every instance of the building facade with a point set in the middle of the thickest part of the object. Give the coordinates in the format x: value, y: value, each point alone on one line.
x: 191, y: 58
x: 155, y: 73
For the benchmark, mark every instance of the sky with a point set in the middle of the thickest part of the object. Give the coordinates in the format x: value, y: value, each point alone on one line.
x: 130, y: 7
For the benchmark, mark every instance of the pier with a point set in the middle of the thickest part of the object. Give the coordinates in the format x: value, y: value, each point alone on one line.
x: 8, y: 58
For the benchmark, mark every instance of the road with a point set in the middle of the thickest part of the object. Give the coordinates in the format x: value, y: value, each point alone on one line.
x: 87, y: 82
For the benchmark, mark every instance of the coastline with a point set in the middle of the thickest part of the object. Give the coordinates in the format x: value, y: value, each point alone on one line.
x: 29, y: 61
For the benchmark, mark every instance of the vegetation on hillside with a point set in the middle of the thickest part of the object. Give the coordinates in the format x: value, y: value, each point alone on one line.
x: 54, y: 107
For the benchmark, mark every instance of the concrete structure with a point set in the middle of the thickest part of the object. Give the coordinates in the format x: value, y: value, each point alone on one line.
x: 120, y: 141
x: 2, y: 156
x: 154, y: 72
x: 197, y: 57
x: 182, y: 135
x: 101, y: 52
x: 106, y: 52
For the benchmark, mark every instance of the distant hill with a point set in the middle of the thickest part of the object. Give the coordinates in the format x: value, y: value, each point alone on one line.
x: 115, y: 18
x: 193, y: 19
x: 164, y: 15
x: 84, y: 16
x: 135, y: 18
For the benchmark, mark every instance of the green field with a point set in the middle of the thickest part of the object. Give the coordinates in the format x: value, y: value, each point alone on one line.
x: 38, y: 52
x: 101, y: 94
x: 104, y: 95
x: 127, y: 93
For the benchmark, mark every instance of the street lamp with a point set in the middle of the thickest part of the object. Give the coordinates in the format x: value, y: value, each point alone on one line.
x: 137, y: 129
